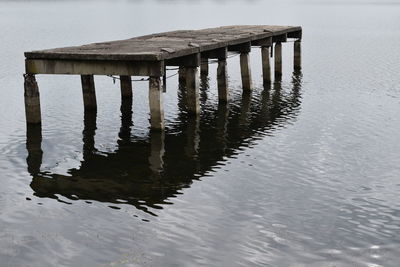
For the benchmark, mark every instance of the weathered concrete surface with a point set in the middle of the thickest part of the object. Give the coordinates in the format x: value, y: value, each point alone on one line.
x: 94, y: 67
x: 89, y: 92
x: 182, y: 75
x: 278, y: 60
x: 245, y: 71
x: 156, y: 104
x: 266, y: 65
x: 126, y: 86
x: 204, y: 67
x: 32, y: 100
x: 222, y: 81
x: 168, y: 45
x: 297, y: 55
x: 192, y: 90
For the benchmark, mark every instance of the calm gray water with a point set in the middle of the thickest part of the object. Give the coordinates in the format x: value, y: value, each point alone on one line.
x: 304, y: 172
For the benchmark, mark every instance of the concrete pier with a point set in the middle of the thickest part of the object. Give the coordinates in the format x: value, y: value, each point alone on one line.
x: 89, y: 92
x: 189, y: 50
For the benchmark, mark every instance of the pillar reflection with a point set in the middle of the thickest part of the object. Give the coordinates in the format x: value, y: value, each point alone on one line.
x: 222, y: 125
x: 276, y: 100
x: 147, y: 171
x: 157, y: 151
x: 34, y: 147
x: 204, y: 87
x: 192, y: 136
x: 266, y: 102
x: 245, y: 108
x: 126, y: 121
x: 88, y: 133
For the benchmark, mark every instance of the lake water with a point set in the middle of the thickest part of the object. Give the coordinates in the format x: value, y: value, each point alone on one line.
x: 303, y: 172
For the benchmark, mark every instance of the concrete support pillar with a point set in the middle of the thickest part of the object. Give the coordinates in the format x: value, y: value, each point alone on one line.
x: 32, y: 100
x: 204, y: 67
x: 266, y: 65
x: 126, y: 86
x: 192, y: 89
x: 222, y: 81
x: 297, y: 55
x: 278, y: 60
x: 164, y: 80
x: 156, y: 104
x: 89, y: 92
x: 182, y: 75
x: 245, y: 71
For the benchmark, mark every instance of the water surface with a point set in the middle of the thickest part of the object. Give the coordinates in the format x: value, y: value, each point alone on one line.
x: 301, y: 172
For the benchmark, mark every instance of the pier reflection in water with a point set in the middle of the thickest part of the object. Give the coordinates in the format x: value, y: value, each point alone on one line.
x: 146, y: 172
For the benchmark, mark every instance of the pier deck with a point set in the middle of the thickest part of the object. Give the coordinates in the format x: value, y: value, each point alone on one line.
x: 149, y: 55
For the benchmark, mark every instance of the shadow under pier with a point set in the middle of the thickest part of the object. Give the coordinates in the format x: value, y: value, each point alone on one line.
x: 146, y: 173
